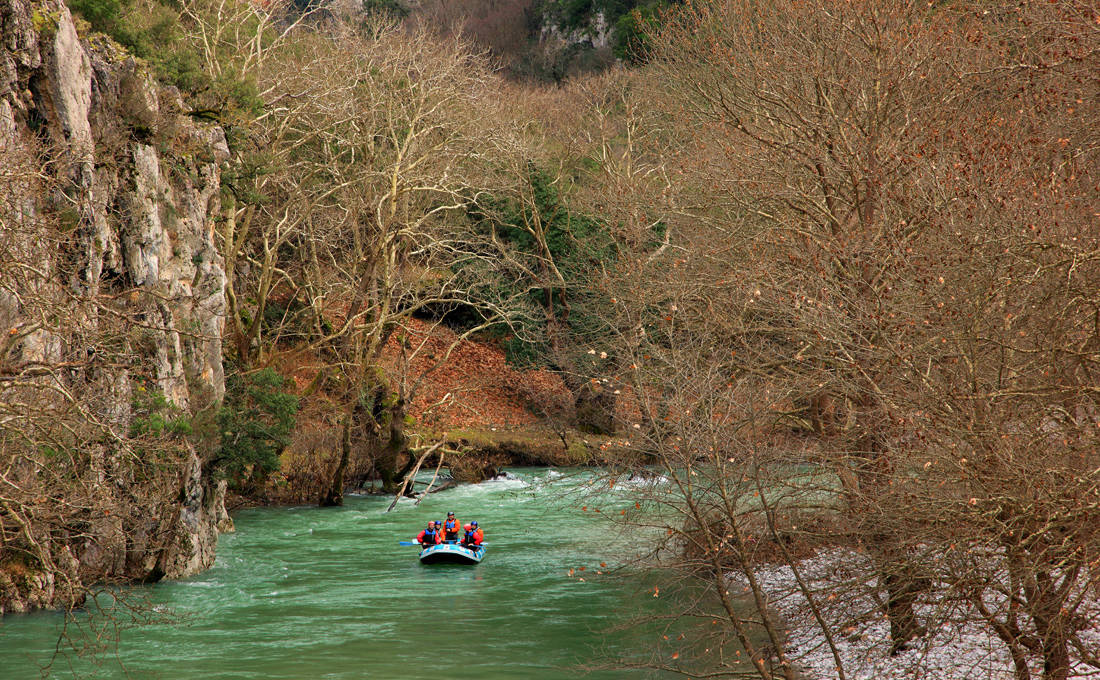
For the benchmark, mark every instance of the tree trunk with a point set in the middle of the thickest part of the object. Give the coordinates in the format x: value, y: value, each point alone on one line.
x: 862, y: 487
x: 593, y: 402
x: 335, y: 494
x: 391, y: 451
x: 1051, y: 624
x: 1055, y: 656
x: 902, y: 590
x: 595, y: 408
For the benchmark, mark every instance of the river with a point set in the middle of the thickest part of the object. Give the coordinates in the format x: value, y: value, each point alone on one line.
x: 309, y: 592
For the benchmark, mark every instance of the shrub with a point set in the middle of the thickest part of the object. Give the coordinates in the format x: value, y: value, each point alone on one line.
x: 254, y: 426
x: 155, y: 416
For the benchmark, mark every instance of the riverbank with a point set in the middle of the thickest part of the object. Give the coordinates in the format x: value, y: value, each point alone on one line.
x: 461, y: 392
x: 473, y: 454
x: 847, y: 598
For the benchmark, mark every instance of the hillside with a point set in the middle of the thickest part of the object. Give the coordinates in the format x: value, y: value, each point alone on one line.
x: 474, y: 386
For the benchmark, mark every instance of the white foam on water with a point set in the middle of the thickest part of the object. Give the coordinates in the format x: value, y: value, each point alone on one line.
x: 485, y: 488
x: 507, y: 483
x: 640, y: 482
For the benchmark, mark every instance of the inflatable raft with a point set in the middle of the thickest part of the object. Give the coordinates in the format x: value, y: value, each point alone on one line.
x: 450, y: 553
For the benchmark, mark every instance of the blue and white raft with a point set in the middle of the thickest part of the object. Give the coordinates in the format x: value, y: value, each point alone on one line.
x: 451, y: 553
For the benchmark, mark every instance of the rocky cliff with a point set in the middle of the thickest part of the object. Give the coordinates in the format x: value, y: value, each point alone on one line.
x: 115, y: 289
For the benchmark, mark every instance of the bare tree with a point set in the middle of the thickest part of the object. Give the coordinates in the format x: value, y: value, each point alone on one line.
x: 241, y: 45
x: 391, y: 143
x: 893, y: 260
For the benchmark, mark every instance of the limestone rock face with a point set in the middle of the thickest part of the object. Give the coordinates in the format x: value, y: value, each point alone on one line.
x: 137, y: 182
x: 597, y: 33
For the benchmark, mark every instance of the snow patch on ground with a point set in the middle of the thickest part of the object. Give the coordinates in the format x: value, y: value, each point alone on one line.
x: 844, y: 591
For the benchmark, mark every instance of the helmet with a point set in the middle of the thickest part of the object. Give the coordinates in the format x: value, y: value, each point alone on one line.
x: 437, y: 523
x: 473, y: 524
x: 431, y: 525
x: 450, y: 514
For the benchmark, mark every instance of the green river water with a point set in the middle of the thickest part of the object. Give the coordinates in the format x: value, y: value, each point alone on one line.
x: 327, y: 593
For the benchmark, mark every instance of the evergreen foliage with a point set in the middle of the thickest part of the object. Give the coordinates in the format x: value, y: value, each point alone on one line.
x: 254, y: 426
x: 153, y: 31
x: 576, y: 245
x: 631, y: 31
x: 154, y: 416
